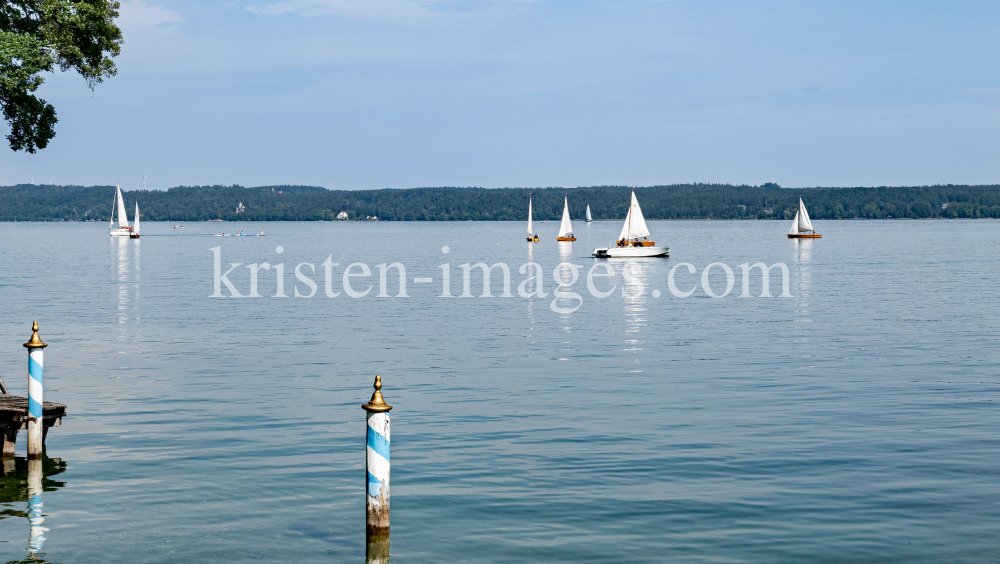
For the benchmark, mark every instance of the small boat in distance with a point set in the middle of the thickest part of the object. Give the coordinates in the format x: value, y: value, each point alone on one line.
x: 801, y: 225
x: 589, y: 218
x: 123, y: 230
x: 532, y: 238
x: 565, y: 228
x: 628, y: 244
x: 178, y: 227
x: 135, y: 231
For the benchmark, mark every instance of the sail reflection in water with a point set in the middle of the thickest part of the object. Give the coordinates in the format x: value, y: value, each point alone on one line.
x: 23, y: 482
x: 128, y: 274
x: 566, y: 273
x: 802, y: 285
x: 531, y: 303
x: 635, y: 280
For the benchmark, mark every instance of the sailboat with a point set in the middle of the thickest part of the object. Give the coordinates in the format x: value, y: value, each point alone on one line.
x: 628, y: 244
x: 566, y: 228
x: 589, y: 218
x: 801, y: 225
x: 135, y: 231
x: 123, y: 229
x: 532, y: 238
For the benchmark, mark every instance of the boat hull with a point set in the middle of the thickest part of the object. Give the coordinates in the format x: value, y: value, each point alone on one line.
x: 565, y: 238
x: 532, y: 239
x: 804, y: 236
x: 631, y: 252
x: 121, y: 232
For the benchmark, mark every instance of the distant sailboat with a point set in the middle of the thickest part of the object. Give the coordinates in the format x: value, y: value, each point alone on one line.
x: 589, y: 218
x: 123, y: 229
x: 628, y: 244
x: 801, y: 226
x: 565, y: 228
x: 532, y: 238
x: 135, y: 230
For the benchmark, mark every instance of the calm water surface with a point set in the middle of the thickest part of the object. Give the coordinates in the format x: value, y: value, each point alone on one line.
x: 856, y: 421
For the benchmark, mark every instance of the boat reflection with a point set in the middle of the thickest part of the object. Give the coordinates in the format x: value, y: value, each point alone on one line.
x: 635, y: 287
x: 531, y: 303
x: 126, y: 254
x: 566, y: 273
x: 802, y: 281
x: 24, y: 482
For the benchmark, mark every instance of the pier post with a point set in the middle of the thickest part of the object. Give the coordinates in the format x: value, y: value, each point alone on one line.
x: 36, y: 437
x: 36, y: 532
x: 377, y: 477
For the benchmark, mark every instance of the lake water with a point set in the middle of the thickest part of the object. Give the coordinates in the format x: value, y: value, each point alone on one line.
x: 856, y: 421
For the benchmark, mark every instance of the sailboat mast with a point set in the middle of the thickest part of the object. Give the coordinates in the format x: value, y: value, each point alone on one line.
x: 630, y: 211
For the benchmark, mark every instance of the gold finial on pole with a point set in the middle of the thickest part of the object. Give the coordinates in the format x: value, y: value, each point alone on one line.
x: 377, y: 403
x: 35, y: 342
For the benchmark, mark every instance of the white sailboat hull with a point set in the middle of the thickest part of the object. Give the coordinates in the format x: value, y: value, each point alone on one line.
x: 121, y: 232
x: 631, y: 252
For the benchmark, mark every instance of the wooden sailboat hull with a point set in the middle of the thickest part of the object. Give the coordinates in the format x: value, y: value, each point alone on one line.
x: 565, y: 238
x: 805, y: 236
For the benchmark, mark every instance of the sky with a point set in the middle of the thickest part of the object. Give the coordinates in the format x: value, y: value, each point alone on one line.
x: 361, y: 94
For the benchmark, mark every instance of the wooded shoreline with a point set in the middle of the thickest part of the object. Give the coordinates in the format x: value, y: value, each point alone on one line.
x: 29, y: 202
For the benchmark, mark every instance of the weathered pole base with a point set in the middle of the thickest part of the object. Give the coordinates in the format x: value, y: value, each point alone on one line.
x: 377, y: 528
x: 377, y: 549
x: 377, y: 523
x: 36, y: 442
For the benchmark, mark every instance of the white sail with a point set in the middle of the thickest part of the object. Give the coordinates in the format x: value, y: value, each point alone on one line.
x: 635, y: 225
x: 804, y: 223
x: 530, y: 232
x: 122, y: 216
x: 136, y: 230
x: 112, y: 226
x: 565, y: 228
x: 795, y: 225
x: 589, y: 218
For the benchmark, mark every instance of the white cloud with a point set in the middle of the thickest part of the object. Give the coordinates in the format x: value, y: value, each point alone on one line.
x: 401, y: 11
x: 137, y: 15
x: 392, y: 11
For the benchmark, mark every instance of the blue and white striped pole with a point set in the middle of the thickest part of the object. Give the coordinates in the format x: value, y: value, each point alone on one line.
x: 36, y: 436
x: 377, y: 476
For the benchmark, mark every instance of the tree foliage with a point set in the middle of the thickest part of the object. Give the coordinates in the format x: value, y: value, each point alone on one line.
x: 27, y: 202
x: 35, y: 37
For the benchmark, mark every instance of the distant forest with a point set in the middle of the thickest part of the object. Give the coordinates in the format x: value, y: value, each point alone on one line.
x: 29, y: 202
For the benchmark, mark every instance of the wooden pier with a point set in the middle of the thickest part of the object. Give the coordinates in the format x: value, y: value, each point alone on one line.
x: 14, y: 417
